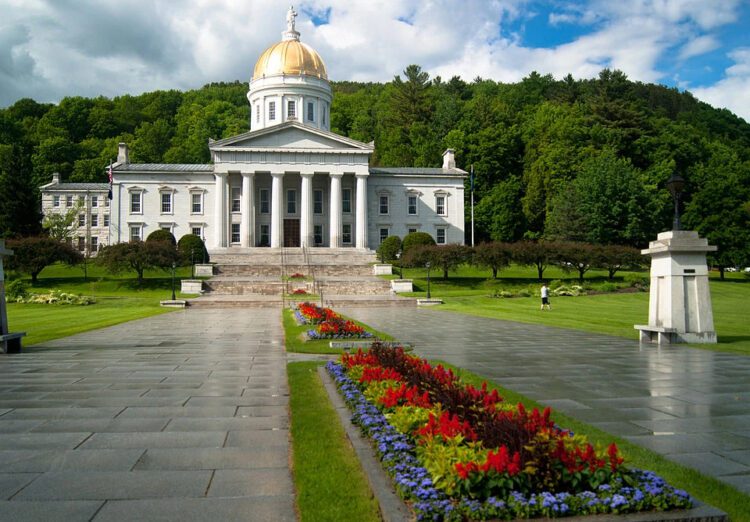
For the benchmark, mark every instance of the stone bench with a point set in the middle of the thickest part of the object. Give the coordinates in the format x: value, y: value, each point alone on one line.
x: 11, y: 342
x: 658, y: 334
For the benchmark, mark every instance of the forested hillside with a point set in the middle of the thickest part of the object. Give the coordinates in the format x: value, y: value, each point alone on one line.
x: 574, y: 159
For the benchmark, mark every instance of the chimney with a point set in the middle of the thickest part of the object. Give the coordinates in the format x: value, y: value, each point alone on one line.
x: 56, y: 178
x: 122, y: 154
x: 449, y: 159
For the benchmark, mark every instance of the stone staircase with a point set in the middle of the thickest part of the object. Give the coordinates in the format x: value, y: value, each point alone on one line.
x: 260, y: 277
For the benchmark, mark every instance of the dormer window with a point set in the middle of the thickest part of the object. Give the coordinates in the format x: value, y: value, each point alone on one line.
x: 291, y: 110
x: 272, y: 110
x: 310, y: 111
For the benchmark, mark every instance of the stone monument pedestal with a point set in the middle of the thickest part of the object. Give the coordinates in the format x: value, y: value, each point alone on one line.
x: 679, y: 309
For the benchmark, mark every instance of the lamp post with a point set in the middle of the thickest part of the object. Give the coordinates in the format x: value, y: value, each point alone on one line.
x: 204, y: 249
x: 174, y: 265
x: 428, y: 278
x: 675, y: 185
x: 192, y: 263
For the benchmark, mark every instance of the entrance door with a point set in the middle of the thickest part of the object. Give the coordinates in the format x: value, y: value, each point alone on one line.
x: 291, y: 233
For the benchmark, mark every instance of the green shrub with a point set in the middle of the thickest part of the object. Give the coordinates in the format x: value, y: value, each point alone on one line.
x: 570, y: 291
x: 416, y: 239
x: 57, y: 297
x: 192, y: 249
x: 607, y: 287
x: 389, y: 248
x: 16, y: 291
x: 502, y: 294
x: 162, y: 235
x: 638, y: 281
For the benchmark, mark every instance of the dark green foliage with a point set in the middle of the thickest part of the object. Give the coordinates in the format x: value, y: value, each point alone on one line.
x: 416, y: 239
x: 389, y: 249
x: 192, y: 249
x: 32, y: 254
x: 137, y: 256
x: 162, y: 235
x: 548, y: 154
x: 538, y: 254
x: 16, y: 290
x: 495, y: 256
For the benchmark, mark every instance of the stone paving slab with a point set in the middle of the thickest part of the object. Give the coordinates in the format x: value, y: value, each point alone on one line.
x: 182, y: 416
x: 691, y: 405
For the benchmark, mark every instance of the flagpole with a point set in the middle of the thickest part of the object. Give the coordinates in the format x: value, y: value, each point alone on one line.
x: 109, y: 195
x: 472, y: 204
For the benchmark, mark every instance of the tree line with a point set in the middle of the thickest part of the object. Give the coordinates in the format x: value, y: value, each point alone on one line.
x: 577, y: 160
x: 418, y: 249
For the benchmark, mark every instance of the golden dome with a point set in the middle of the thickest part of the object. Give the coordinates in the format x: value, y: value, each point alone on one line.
x: 290, y: 57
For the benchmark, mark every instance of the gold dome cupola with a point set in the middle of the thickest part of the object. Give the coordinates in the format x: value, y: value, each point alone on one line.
x: 289, y: 82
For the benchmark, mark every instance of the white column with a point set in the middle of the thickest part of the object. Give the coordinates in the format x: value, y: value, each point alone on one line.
x: 335, y: 223
x: 220, y: 213
x: 247, y: 225
x: 277, y: 209
x: 361, y: 217
x: 306, y: 211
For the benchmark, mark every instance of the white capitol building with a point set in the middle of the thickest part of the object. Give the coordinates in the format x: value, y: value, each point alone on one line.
x: 289, y: 181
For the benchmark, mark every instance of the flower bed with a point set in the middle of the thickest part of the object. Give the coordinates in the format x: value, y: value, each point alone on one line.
x: 300, y: 291
x: 456, y: 452
x: 328, y: 324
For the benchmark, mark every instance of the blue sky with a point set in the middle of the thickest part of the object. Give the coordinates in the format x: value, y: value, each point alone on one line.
x: 55, y: 48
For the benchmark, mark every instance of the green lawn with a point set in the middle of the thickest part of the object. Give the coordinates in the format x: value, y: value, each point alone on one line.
x: 118, y: 299
x: 468, y: 291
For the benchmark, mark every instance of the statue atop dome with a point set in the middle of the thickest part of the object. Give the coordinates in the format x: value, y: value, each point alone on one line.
x: 291, y: 32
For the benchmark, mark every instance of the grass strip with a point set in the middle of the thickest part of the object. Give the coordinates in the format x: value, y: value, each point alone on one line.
x: 295, y: 339
x: 329, y: 481
x: 703, y: 487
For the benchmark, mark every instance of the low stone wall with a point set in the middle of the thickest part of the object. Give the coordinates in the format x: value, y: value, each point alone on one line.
x: 191, y: 286
x: 402, y: 285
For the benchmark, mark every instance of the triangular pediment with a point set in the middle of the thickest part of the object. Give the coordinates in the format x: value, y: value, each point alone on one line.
x: 290, y: 135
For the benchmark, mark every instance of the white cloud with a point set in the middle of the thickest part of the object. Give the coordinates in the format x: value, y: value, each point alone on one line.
x: 53, y: 48
x: 733, y: 92
x: 698, y: 46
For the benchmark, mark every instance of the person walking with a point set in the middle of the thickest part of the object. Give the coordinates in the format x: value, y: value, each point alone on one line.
x: 545, y: 297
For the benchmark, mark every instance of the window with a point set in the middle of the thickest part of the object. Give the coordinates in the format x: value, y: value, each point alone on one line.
x: 167, y: 227
x: 291, y: 201
x: 412, y: 206
x: 135, y: 233
x: 383, y: 234
x: 291, y: 110
x: 94, y: 244
x: 346, y: 200
x: 81, y: 220
x: 106, y: 220
x: 264, y: 201
x: 135, y: 202
x: 94, y: 220
x: 412, y: 231
x: 310, y: 111
x: 318, y: 234
x: 346, y: 233
x: 383, y: 204
x: 236, y: 199
x: 94, y: 201
x: 81, y: 243
x: 323, y: 115
x: 257, y: 114
x: 55, y: 201
x: 197, y: 231
x: 264, y: 240
x: 272, y: 110
x: 81, y: 200
x: 440, y: 236
x: 440, y: 205
x: 68, y: 201
x: 235, y: 232
x: 166, y: 202
x: 317, y: 201
x: 196, y: 200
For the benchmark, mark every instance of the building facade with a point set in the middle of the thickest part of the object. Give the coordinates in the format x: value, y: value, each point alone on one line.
x: 288, y: 181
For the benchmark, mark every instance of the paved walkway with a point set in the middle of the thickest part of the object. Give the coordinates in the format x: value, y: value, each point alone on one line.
x: 177, y: 417
x: 690, y: 405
